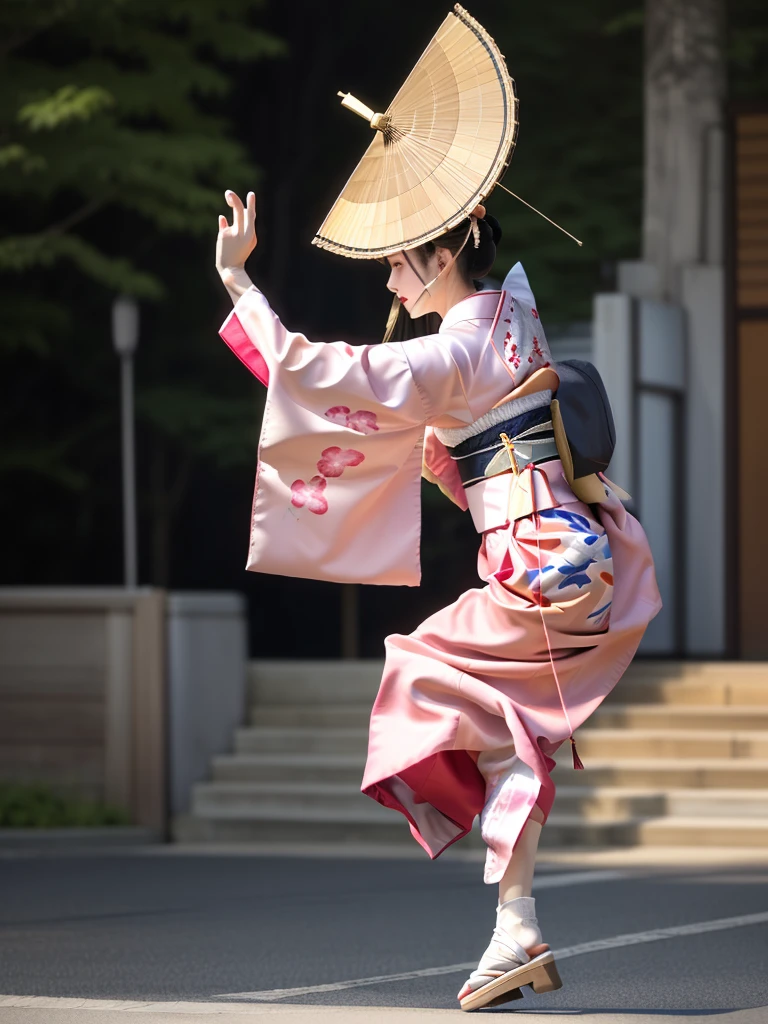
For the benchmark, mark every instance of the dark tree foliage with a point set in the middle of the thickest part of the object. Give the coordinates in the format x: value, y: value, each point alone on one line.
x: 114, y: 143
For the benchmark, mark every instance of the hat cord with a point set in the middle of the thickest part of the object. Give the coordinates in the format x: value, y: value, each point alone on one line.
x: 449, y: 264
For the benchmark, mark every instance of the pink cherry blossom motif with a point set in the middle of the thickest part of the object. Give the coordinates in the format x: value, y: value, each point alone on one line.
x: 338, y: 414
x: 534, y: 314
x: 362, y: 421
x: 310, y: 494
x: 334, y: 461
x: 511, y: 352
x: 349, y: 350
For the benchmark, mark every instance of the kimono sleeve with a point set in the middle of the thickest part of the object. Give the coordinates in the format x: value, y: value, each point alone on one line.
x: 337, y: 493
x: 347, y: 376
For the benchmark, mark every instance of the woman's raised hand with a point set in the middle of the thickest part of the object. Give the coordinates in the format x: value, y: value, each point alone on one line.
x: 236, y: 241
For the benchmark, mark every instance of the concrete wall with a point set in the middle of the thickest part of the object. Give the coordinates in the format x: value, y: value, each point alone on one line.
x: 119, y: 695
x: 207, y: 669
x: 640, y: 351
x: 705, y: 462
x: 82, y: 703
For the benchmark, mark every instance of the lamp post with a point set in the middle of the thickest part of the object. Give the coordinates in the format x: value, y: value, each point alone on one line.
x: 125, y: 338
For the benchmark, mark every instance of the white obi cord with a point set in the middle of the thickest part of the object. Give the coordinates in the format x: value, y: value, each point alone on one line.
x: 451, y: 436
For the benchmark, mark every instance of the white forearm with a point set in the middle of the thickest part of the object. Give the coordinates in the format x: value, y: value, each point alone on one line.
x: 236, y: 281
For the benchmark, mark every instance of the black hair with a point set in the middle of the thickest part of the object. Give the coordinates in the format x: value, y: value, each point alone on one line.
x: 475, y: 263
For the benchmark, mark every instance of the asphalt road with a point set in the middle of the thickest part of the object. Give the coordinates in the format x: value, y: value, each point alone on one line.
x: 231, y: 929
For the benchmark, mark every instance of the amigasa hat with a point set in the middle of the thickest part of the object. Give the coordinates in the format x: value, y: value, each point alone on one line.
x: 440, y: 147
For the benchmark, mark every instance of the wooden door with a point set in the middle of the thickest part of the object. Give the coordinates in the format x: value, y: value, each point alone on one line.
x: 750, y: 298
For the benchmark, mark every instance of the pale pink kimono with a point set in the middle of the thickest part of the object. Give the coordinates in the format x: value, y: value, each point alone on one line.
x: 473, y: 704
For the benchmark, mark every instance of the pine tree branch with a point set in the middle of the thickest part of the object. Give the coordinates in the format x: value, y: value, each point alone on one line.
x: 76, y: 217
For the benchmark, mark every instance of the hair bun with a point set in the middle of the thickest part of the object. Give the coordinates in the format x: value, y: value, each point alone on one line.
x: 482, y: 258
x: 495, y: 228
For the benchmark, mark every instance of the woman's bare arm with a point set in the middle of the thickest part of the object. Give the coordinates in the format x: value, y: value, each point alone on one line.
x: 235, y: 243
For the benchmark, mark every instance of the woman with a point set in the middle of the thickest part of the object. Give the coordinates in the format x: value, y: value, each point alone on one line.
x: 474, y: 702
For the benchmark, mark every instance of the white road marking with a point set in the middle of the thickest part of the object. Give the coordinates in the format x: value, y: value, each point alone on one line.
x: 616, y: 942
x: 68, y: 1003
x: 579, y: 878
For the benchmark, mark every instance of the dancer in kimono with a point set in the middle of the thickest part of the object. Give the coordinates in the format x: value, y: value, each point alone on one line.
x: 474, y: 703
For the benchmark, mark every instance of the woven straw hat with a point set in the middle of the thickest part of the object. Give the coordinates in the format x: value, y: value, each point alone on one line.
x: 439, y: 149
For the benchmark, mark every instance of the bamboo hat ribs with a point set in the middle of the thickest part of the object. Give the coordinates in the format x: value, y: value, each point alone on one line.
x: 438, y: 150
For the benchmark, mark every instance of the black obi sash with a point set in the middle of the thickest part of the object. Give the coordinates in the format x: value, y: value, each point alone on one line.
x: 474, y: 456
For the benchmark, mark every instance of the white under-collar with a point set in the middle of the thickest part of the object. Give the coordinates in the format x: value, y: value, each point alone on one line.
x: 480, y: 306
x: 483, y: 305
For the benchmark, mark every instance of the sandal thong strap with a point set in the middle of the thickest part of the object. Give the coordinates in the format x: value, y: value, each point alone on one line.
x: 504, y: 954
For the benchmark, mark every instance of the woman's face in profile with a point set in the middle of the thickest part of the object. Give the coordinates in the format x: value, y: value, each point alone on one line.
x: 407, y: 278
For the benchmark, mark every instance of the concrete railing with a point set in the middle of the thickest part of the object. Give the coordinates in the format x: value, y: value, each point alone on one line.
x: 119, y: 695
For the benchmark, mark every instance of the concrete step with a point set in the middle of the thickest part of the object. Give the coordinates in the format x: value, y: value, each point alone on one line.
x: 632, y: 802
x: 646, y: 681
x: 312, y: 716
x: 591, y: 742
x: 609, y: 715
x: 677, y: 743
x: 680, y: 716
x: 703, y: 831
x: 717, y: 804
x: 672, y: 669
x: 234, y: 828
x: 690, y: 775
x: 281, y: 767
x: 635, y: 688
x: 387, y: 827
x: 314, y: 682
x: 562, y: 831
x: 665, y: 773
x: 312, y: 800
x: 300, y: 740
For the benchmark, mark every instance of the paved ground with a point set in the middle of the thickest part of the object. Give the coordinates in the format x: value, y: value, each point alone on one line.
x: 217, y: 935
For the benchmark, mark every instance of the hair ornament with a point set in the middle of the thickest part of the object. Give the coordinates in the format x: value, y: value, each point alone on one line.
x: 475, y: 230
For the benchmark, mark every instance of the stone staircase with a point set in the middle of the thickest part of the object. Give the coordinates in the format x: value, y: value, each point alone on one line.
x: 676, y: 756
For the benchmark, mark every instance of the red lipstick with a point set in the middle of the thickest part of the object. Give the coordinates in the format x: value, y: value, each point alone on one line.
x: 403, y: 299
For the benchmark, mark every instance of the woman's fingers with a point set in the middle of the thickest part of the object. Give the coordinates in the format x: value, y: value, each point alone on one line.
x: 236, y: 242
x: 238, y: 213
x: 250, y: 215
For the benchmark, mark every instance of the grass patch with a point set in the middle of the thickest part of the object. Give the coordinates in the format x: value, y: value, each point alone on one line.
x: 36, y: 805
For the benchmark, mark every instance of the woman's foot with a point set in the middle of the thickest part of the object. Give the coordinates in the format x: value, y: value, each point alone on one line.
x: 516, y: 956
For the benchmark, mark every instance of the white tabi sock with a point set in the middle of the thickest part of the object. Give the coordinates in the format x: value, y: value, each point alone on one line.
x: 515, y: 920
x: 518, y: 919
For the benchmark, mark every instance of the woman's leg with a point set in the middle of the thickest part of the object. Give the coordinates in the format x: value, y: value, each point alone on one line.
x: 518, y: 878
x: 517, y: 938
x: 516, y: 914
